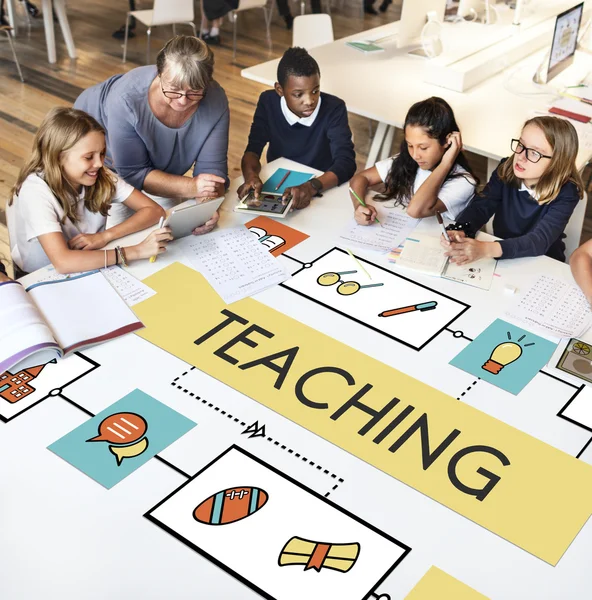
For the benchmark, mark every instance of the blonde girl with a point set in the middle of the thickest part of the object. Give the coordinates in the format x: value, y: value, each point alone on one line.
x: 61, y: 199
x: 532, y: 195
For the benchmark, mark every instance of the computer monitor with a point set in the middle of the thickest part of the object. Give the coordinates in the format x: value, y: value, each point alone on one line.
x: 413, y: 18
x: 565, y: 40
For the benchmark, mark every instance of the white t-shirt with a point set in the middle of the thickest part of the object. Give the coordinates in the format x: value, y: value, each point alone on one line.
x: 455, y: 193
x: 36, y: 211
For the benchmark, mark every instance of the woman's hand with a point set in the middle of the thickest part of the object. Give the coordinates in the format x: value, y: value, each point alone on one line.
x: 154, y: 244
x: 253, y: 184
x: 365, y: 215
x: 208, y: 185
x: 89, y: 241
x: 208, y: 225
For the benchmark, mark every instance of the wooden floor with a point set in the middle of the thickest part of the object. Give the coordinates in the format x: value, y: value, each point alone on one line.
x: 22, y: 106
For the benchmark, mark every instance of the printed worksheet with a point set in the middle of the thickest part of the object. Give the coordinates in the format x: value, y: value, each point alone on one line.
x: 555, y: 306
x: 233, y: 261
x: 393, y: 228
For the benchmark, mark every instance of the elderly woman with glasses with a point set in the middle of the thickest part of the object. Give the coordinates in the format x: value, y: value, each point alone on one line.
x: 163, y: 119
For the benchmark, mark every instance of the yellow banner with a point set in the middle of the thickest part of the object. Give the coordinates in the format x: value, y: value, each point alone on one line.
x: 518, y: 487
x: 437, y: 584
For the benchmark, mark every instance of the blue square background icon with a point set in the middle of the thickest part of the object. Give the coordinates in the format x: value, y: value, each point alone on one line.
x: 122, y: 438
x: 505, y: 355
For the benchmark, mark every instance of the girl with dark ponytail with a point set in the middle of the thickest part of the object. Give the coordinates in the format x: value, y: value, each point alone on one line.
x: 430, y: 174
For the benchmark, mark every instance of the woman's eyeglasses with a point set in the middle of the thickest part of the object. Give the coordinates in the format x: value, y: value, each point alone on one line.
x: 531, y: 155
x: 191, y: 96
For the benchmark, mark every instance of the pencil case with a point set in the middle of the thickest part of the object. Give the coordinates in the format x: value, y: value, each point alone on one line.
x: 570, y: 115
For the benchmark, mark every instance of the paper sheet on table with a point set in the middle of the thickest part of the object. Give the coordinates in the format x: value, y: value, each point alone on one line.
x: 478, y: 274
x: 553, y: 306
x: 132, y: 290
x: 396, y: 226
x: 233, y: 261
x: 584, y: 130
x: 423, y: 252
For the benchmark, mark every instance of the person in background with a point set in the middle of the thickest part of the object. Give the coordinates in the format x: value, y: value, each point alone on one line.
x: 302, y: 124
x: 581, y: 268
x: 430, y: 174
x: 531, y: 196
x: 58, y: 211
x: 162, y: 120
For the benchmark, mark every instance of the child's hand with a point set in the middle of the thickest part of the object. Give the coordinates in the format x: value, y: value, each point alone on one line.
x: 454, y: 140
x: 89, y: 241
x: 455, y: 236
x: 467, y: 250
x: 252, y: 184
x: 208, y: 186
x: 154, y: 244
x: 365, y: 215
x: 208, y: 225
x: 302, y: 195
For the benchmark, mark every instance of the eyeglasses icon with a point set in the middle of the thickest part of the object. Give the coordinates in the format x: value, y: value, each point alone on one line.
x: 345, y: 288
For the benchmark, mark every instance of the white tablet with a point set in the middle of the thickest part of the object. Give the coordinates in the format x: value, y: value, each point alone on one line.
x: 185, y: 219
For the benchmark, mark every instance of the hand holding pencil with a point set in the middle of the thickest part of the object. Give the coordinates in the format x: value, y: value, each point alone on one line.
x: 365, y: 214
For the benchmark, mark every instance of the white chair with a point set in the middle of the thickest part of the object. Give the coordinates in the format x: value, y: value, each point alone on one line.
x: 573, y: 231
x: 164, y: 12
x: 8, y: 31
x: 248, y: 5
x: 312, y: 30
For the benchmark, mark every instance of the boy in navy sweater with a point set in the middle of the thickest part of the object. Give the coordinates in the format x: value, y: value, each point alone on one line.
x: 303, y: 125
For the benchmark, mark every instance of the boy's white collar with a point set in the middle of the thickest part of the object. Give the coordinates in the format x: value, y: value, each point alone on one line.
x: 293, y: 119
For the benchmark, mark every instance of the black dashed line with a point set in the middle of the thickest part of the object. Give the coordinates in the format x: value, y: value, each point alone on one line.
x: 469, y: 388
x: 269, y: 439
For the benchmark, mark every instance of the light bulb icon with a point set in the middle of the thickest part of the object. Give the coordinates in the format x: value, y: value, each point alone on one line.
x: 503, y: 354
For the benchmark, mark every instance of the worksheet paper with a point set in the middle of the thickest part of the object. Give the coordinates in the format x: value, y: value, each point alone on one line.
x: 394, y: 227
x: 233, y: 261
x: 131, y: 290
x: 554, y: 306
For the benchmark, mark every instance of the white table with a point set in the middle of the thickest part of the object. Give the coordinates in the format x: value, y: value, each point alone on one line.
x: 48, y: 7
x: 384, y: 85
x: 82, y: 541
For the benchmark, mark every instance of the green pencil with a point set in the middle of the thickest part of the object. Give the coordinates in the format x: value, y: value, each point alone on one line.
x: 363, y: 203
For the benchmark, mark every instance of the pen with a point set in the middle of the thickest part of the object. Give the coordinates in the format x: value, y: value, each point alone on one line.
x: 404, y: 309
x: 160, y: 224
x: 439, y: 217
x: 358, y: 263
x: 279, y: 185
x: 362, y: 203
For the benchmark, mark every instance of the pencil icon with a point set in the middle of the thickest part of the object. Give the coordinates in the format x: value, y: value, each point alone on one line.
x: 405, y: 309
x: 279, y: 185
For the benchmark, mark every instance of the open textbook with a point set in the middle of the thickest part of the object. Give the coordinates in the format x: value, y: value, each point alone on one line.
x: 423, y: 252
x: 54, y: 318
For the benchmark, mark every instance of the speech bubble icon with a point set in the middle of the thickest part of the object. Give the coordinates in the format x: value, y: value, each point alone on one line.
x: 122, y: 452
x: 121, y: 428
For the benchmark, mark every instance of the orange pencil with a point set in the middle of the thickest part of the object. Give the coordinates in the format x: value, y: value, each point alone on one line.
x: 404, y: 309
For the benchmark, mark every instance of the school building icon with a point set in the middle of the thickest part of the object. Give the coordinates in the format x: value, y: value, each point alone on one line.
x: 18, y: 386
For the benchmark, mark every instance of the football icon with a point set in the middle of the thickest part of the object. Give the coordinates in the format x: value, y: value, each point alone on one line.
x: 230, y: 506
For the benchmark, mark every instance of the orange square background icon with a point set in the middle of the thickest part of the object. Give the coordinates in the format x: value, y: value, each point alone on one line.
x: 275, y: 236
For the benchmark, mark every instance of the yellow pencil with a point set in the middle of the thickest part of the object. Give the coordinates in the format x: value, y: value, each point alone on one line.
x: 358, y: 263
x: 160, y: 224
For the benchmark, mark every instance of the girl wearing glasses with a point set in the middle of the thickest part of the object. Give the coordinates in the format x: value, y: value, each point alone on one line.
x: 164, y: 119
x: 531, y: 196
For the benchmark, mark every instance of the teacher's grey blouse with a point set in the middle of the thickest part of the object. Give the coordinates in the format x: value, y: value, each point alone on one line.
x: 137, y: 142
